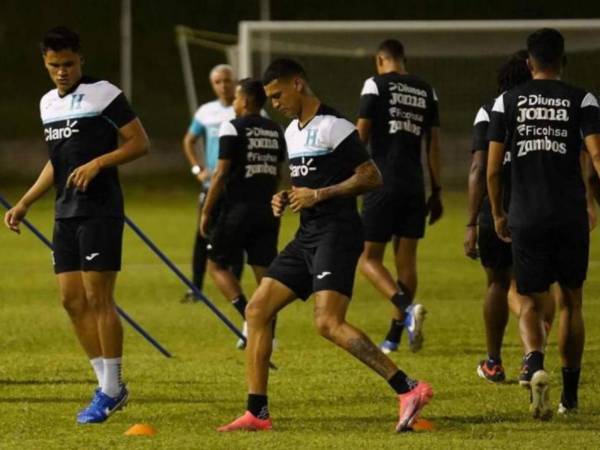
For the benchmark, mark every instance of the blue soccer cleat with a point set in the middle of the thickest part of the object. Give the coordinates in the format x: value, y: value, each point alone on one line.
x: 388, y: 347
x: 102, y: 407
x: 413, y: 323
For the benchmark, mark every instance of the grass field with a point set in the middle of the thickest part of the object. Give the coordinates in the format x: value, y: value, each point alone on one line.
x: 320, y: 398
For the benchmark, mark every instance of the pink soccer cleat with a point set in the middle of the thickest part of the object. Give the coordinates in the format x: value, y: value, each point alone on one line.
x: 248, y: 422
x: 411, y: 404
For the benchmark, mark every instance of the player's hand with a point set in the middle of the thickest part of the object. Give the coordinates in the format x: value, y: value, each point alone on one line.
x: 279, y: 202
x: 14, y: 216
x: 203, y: 176
x: 301, y: 198
x: 204, y: 225
x: 435, y: 209
x: 501, y: 225
x: 81, y: 177
x: 471, y: 250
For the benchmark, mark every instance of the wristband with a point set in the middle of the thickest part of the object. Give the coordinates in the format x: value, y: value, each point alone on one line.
x: 196, y: 169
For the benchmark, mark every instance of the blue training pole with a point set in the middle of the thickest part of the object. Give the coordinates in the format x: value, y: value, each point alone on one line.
x: 122, y: 313
x: 187, y: 281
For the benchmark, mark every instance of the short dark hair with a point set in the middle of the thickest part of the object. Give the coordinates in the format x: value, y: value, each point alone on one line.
x: 392, y: 48
x: 60, y: 38
x: 283, y: 68
x: 547, y: 47
x: 254, y: 90
x: 514, y: 71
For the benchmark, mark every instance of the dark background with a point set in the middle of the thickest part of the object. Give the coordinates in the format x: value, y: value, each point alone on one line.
x: 158, y: 92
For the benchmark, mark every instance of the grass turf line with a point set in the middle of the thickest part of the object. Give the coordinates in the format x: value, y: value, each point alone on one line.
x: 320, y: 398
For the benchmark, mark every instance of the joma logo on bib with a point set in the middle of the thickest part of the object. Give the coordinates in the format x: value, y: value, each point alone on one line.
x: 542, y: 108
x: 53, y: 134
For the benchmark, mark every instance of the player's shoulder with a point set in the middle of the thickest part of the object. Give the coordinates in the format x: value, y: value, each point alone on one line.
x: 231, y: 127
x: 214, y: 112
x: 48, y: 98
x: 328, y: 118
x: 101, y: 92
x: 370, y: 87
x: 484, y: 112
x: 584, y: 96
x: 207, y: 108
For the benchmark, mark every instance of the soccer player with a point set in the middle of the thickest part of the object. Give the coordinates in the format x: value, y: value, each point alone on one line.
x: 329, y: 167
x: 542, y: 123
x: 251, y: 150
x: 204, y: 132
x: 83, y: 120
x: 398, y: 111
x: 480, y: 237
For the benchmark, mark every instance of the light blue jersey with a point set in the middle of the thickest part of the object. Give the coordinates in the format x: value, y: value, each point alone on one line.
x: 206, y: 123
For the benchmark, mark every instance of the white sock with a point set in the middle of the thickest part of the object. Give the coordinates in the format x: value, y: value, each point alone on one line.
x: 111, y: 384
x: 98, y: 366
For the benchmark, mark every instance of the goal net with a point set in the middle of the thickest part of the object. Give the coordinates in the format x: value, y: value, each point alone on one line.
x: 459, y: 58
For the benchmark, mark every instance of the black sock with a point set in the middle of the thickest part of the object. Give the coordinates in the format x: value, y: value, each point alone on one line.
x: 401, y: 301
x: 401, y: 383
x: 240, y: 304
x: 258, y: 405
x: 492, y: 361
x: 570, y: 378
x: 396, y: 327
x: 534, y: 361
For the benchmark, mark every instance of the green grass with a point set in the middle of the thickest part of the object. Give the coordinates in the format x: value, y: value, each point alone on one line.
x: 320, y: 398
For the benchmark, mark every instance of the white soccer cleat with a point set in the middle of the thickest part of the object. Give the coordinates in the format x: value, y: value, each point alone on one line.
x: 540, y: 396
x: 241, y: 344
x: 413, y: 322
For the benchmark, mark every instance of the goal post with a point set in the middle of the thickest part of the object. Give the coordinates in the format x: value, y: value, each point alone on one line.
x: 459, y: 58
x: 354, y: 37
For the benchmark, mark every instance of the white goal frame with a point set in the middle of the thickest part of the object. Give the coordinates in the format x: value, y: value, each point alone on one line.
x: 248, y: 29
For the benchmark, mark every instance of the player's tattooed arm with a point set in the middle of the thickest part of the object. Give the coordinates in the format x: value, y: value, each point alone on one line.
x: 44, y: 182
x: 476, y: 194
x: 366, y: 178
x: 494, y: 185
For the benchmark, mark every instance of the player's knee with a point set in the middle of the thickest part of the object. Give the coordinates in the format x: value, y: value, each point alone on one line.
x: 327, y: 326
x: 256, y: 312
x: 99, y: 301
x: 75, y: 305
x: 572, y: 303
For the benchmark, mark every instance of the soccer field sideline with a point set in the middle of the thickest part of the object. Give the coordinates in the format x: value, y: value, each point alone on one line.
x: 320, y: 398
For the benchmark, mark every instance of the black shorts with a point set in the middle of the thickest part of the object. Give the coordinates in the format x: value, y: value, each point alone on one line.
x: 542, y: 256
x: 387, y: 214
x: 494, y: 252
x: 329, y: 266
x: 243, y: 227
x: 87, y: 244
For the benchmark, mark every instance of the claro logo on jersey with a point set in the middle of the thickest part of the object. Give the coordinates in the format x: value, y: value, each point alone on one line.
x: 537, y: 107
x: 54, y: 134
x: 302, y: 169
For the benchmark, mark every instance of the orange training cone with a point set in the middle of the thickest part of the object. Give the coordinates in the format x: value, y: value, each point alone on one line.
x: 141, y: 429
x: 423, y: 425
